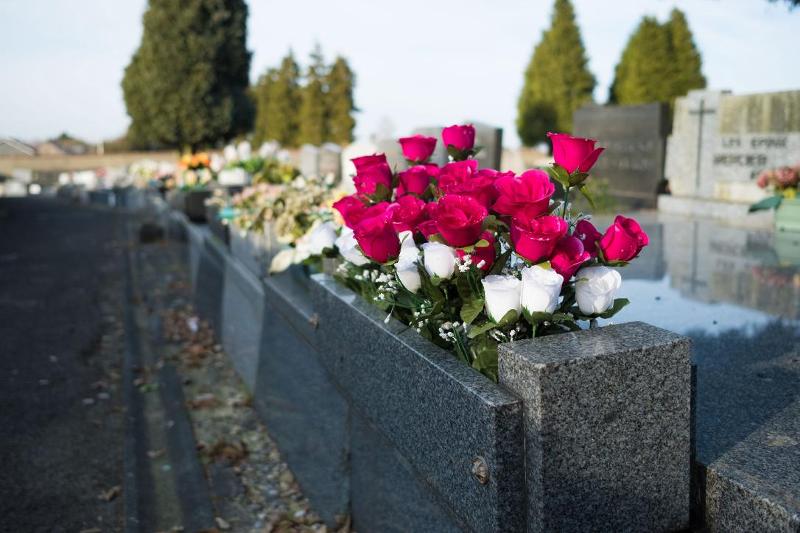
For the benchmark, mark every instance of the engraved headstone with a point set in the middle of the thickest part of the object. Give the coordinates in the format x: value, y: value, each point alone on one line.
x: 634, y: 138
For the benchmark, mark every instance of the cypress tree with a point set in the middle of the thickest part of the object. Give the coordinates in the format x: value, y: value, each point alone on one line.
x: 186, y: 85
x: 659, y: 63
x: 339, y: 104
x: 686, y: 58
x: 312, y: 119
x: 278, y: 102
x: 557, y: 79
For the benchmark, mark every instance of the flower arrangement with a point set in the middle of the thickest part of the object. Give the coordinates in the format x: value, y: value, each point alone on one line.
x: 194, y: 172
x: 473, y: 257
x: 783, y: 182
x: 238, y: 165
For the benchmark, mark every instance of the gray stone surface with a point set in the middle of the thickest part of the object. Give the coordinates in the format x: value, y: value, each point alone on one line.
x: 607, y: 428
x: 309, y: 160
x: 208, y: 288
x: 330, y: 160
x: 196, y: 240
x: 437, y: 413
x: 488, y: 137
x: 250, y: 248
x: 635, y: 141
x: 242, y: 319
x: 306, y: 415
x: 387, y: 495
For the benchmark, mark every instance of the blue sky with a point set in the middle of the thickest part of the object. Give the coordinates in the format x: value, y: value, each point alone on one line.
x: 418, y: 62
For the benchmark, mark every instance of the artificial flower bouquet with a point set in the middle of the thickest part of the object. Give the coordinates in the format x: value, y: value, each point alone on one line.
x: 473, y: 257
x: 238, y: 165
x: 783, y: 182
x: 194, y: 172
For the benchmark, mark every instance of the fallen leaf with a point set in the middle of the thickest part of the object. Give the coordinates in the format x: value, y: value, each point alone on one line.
x: 110, y: 494
x: 155, y: 454
x: 203, y: 401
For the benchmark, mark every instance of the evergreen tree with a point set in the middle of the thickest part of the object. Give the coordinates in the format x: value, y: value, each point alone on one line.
x: 186, y: 85
x: 312, y: 119
x: 279, y: 95
x: 557, y: 80
x: 339, y: 104
x: 686, y: 58
x: 659, y: 63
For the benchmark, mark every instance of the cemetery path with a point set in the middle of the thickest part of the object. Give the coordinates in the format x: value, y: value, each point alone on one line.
x: 61, y: 330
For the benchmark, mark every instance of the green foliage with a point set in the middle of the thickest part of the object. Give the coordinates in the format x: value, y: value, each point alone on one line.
x: 339, y: 102
x: 659, y: 63
x: 278, y: 98
x: 313, y: 117
x: 186, y: 85
x: 557, y: 80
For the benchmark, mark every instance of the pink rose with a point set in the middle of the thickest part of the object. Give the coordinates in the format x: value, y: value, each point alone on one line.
x: 406, y: 213
x: 486, y: 254
x: 459, y: 219
x: 417, y: 148
x: 377, y: 238
x: 464, y: 178
x: 588, y: 235
x: 568, y: 256
x: 535, y: 239
x: 371, y: 171
x: 369, y: 161
x: 459, y: 137
x: 574, y: 153
x: 623, y: 240
x: 354, y: 210
x: 526, y: 196
x: 427, y: 228
x: 415, y: 180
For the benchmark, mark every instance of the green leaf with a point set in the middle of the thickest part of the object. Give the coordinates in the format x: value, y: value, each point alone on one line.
x: 585, y: 192
x: 483, y: 243
x: 497, y: 268
x: 577, y: 178
x: 471, y: 309
x: 559, y: 174
x: 619, y: 303
x: 773, y: 202
x: 480, y: 329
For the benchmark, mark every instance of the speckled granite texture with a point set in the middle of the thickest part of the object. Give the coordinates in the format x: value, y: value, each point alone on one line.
x: 607, y: 428
x: 250, y: 249
x: 438, y: 414
x: 210, y: 280
x: 242, y: 319
x: 304, y: 411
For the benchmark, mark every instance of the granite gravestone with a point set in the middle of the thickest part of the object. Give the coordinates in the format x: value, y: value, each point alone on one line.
x: 330, y: 160
x: 309, y: 160
x: 721, y: 142
x: 634, y: 138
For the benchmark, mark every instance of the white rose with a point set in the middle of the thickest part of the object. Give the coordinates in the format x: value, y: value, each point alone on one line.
x: 244, y: 151
x: 232, y: 176
x: 217, y: 162
x: 268, y: 149
x: 541, y: 288
x: 229, y: 153
x: 321, y: 237
x: 502, y: 295
x: 348, y: 248
x: 595, y: 288
x: 439, y: 259
x: 406, y: 265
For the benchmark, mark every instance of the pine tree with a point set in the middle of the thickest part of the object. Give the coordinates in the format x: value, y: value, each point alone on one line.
x: 312, y: 119
x: 339, y: 104
x: 279, y: 95
x: 686, y: 58
x: 659, y: 63
x: 557, y: 80
x: 186, y: 85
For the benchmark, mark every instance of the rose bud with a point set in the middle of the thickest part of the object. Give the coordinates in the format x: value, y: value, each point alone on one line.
x: 461, y: 138
x: 536, y: 239
x: 502, y: 294
x: 464, y: 178
x: 415, y: 180
x: 347, y: 245
x: 439, y: 259
x: 574, y: 153
x: 483, y: 257
x: 417, y: 148
x: 406, y: 213
x: 459, y: 219
x: 568, y: 256
x: 526, y: 196
x: 366, y: 162
x: 427, y: 228
x: 595, y: 289
x: 354, y: 210
x: 377, y: 238
x: 588, y: 235
x: 367, y: 182
x: 623, y: 240
x: 541, y: 288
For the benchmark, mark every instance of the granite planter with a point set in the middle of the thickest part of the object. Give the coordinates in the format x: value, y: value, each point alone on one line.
x: 192, y: 202
x: 251, y: 249
x: 787, y: 216
x: 102, y: 197
x: 207, y: 263
x: 219, y: 228
x: 586, y: 431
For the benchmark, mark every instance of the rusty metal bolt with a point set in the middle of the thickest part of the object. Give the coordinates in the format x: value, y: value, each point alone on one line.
x: 480, y: 470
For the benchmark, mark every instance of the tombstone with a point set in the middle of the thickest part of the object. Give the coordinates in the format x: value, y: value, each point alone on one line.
x: 349, y: 152
x: 720, y: 142
x: 309, y: 160
x: 330, y: 160
x: 394, y: 153
x: 488, y: 137
x: 634, y: 138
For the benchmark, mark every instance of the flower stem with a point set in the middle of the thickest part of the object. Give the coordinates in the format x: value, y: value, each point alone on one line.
x: 566, y: 201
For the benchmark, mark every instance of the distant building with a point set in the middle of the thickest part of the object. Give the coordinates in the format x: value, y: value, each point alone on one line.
x: 11, y: 146
x: 64, y: 145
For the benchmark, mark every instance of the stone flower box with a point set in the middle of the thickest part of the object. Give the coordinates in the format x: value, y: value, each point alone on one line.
x: 787, y: 216
x: 218, y: 228
x: 586, y: 431
x: 251, y: 249
x: 191, y: 202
